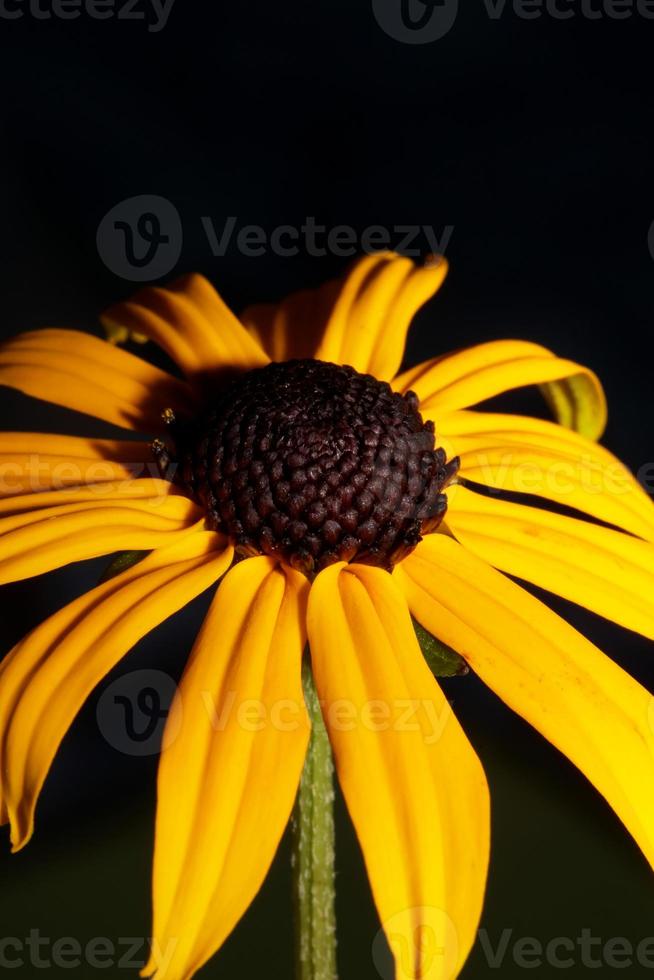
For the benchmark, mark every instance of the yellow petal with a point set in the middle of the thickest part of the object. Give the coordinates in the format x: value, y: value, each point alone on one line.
x: 470, y: 376
x: 48, y: 676
x: 33, y: 462
x: 88, y: 375
x: 293, y: 328
x: 578, y: 698
x: 472, y: 429
x: 563, y: 478
x: 228, y: 781
x: 604, y: 570
x: 37, y: 541
x: 150, y: 488
x: 413, y: 785
x: 523, y: 455
x: 192, y: 324
x: 373, y: 310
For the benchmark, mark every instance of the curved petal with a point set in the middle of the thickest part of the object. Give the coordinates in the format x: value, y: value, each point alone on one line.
x: 293, y: 328
x: 471, y: 429
x: 192, y: 324
x: 373, y: 309
x: 521, y: 455
x: 81, y: 372
x: 578, y: 698
x: 34, y: 541
x: 470, y: 376
x: 49, y: 675
x: 563, y: 478
x: 152, y: 489
x: 34, y: 462
x: 148, y: 488
x: 606, y: 571
x: 228, y: 781
x: 413, y: 785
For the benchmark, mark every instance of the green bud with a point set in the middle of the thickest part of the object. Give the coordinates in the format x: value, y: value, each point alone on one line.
x: 121, y: 563
x: 442, y: 660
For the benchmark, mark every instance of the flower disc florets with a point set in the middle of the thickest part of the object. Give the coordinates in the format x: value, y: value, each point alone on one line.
x: 316, y: 463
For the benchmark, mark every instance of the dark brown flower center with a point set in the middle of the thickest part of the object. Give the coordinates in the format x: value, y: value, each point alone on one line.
x: 316, y: 463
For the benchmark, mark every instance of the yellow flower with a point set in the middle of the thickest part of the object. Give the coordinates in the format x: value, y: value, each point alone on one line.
x: 412, y: 782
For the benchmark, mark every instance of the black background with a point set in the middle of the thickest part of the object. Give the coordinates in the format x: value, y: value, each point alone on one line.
x: 532, y: 139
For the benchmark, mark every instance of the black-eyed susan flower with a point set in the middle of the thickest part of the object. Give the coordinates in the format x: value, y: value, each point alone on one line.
x: 355, y: 496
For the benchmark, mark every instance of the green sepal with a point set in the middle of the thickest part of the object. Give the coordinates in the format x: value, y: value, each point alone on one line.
x: 122, y: 561
x: 442, y: 660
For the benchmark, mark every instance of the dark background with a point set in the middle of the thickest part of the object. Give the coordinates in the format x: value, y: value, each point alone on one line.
x: 532, y: 139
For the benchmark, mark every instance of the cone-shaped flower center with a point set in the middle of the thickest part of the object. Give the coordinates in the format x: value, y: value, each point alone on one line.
x: 316, y: 463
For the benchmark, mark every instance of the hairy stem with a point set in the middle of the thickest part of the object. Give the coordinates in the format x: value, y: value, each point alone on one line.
x: 313, y: 852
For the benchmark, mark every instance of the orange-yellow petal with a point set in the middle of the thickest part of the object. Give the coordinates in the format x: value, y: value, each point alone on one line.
x: 578, y: 698
x: 293, y: 328
x: 523, y: 455
x: 192, y: 324
x: 228, y: 780
x: 151, y: 489
x: 88, y: 375
x: 47, y: 677
x: 373, y: 309
x: 413, y: 785
x: 606, y: 571
x: 470, y: 376
x: 34, y: 462
x: 33, y: 541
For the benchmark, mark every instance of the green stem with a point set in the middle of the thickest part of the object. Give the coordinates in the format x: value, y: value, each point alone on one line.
x: 313, y: 852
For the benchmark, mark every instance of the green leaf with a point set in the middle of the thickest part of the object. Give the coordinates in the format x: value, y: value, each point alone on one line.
x: 121, y: 563
x: 442, y: 660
